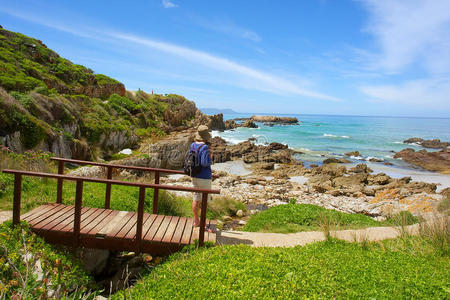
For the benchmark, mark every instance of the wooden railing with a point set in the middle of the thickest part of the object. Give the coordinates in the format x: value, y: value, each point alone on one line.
x: 109, y: 172
x: 79, y: 196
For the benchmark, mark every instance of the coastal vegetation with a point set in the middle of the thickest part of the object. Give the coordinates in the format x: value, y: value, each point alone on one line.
x: 51, y: 104
x: 329, y: 269
x: 33, y: 269
x: 306, y: 217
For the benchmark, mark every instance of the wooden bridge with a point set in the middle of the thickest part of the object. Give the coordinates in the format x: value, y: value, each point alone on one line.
x: 104, y: 228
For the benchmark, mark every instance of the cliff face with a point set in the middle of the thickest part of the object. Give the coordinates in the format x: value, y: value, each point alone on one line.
x: 48, y: 103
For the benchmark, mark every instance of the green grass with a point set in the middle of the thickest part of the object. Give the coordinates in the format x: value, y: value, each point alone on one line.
x: 305, y: 217
x: 325, y: 270
x: 37, y: 191
x: 59, y: 267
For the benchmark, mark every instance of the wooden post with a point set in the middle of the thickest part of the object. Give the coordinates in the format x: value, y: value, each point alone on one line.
x: 17, y: 196
x: 201, y: 237
x: 140, y: 219
x: 77, y: 216
x: 155, y: 194
x: 60, y: 182
x: 108, y: 188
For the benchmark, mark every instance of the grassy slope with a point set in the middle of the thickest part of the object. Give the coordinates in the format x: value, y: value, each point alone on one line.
x: 41, y: 96
x: 322, y: 270
x: 301, y: 217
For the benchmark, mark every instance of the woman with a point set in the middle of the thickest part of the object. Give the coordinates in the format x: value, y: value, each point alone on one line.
x: 201, y: 180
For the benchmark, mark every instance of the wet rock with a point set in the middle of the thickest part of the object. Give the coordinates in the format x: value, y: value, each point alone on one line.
x: 276, y: 146
x: 374, y: 159
x: 353, y: 153
x: 249, y: 124
x: 434, y: 161
x: 434, y: 144
x: 333, y: 160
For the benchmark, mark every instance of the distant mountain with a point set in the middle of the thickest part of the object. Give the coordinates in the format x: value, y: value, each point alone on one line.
x: 214, y: 111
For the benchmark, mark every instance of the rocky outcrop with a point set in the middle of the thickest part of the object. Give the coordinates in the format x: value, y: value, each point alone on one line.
x: 168, y: 153
x: 433, y: 161
x: 359, y: 182
x: 275, y: 119
x: 249, y: 124
x: 434, y: 144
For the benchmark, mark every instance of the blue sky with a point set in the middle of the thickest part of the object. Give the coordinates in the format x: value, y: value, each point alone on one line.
x: 365, y: 57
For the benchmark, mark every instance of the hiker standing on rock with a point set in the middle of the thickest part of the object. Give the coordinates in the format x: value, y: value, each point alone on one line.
x: 198, y: 166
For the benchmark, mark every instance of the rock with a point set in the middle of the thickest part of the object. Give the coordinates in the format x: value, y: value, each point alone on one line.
x: 374, y: 159
x: 274, y: 119
x: 446, y: 193
x: 216, y: 122
x: 379, y: 179
x: 249, y: 124
x: 433, y: 161
x: 242, y: 222
x: 276, y: 146
x: 230, y: 124
x: 353, y: 153
x: 368, y: 191
x: 361, y: 168
x: 267, y: 166
x: 332, y: 160
x: 414, y: 140
x: 435, y: 143
x: 240, y: 213
x: 126, y: 151
x: 227, y: 218
x: 94, y: 260
x: 351, y: 180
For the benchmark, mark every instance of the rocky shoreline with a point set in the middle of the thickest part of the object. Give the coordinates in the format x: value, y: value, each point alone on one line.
x: 273, y: 176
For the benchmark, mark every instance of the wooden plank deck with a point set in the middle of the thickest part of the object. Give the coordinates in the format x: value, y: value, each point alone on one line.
x: 114, y: 230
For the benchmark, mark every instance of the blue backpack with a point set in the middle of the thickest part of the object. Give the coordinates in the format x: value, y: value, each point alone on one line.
x: 192, y: 161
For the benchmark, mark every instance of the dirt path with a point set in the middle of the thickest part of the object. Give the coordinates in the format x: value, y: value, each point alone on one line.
x: 260, y: 239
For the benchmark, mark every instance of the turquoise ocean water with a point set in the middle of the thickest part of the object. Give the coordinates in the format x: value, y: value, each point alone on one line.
x: 322, y: 136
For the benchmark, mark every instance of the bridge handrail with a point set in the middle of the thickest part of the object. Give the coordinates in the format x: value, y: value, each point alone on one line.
x: 116, y: 166
x: 79, y: 196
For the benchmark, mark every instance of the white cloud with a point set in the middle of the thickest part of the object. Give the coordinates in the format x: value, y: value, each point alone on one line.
x: 226, y: 26
x: 254, y: 79
x: 168, y: 4
x: 410, y: 32
x: 430, y: 93
x: 236, y: 73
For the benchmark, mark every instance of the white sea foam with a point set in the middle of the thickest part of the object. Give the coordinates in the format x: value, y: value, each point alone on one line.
x: 335, y: 136
x: 357, y: 157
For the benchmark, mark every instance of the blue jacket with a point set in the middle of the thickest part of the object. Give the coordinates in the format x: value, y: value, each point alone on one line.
x: 205, y: 160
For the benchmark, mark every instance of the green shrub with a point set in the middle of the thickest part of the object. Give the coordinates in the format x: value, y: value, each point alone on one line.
x: 60, y: 270
x: 300, y: 217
